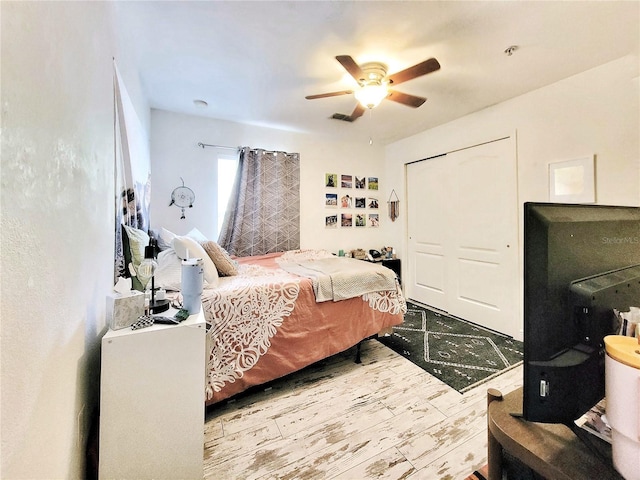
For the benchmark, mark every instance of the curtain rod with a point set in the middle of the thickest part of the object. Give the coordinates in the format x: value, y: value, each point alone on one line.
x: 200, y: 144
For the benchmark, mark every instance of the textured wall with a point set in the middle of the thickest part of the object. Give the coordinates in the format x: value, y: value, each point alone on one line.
x: 57, y: 229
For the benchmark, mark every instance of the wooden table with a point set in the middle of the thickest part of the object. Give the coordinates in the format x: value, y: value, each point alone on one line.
x: 551, y: 450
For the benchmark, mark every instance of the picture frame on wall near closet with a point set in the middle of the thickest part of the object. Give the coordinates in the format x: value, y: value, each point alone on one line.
x: 572, y: 181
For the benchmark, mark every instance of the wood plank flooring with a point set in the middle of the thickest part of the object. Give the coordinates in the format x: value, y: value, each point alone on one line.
x: 385, y: 418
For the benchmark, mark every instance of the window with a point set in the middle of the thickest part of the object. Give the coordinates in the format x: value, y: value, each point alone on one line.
x: 227, y: 166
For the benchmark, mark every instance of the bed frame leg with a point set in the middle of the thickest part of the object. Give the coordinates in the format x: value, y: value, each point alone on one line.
x: 358, y: 347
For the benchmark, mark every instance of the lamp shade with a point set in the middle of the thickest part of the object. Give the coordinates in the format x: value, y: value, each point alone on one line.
x: 370, y: 96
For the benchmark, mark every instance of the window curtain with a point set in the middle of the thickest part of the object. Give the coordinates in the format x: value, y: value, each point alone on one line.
x: 263, y: 214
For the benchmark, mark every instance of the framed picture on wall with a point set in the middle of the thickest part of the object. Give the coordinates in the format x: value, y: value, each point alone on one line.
x: 372, y: 183
x: 361, y: 202
x: 372, y: 202
x: 361, y: 219
x: 572, y: 181
x: 346, y: 201
x: 361, y: 182
x: 346, y: 220
x: 374, y: 220
x: 331, y: 199
x: 331, y: 221
x: 331, y: 180
x: 346, y: 181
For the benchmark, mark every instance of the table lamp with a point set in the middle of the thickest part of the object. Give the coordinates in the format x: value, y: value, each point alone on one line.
x: 146, y: 272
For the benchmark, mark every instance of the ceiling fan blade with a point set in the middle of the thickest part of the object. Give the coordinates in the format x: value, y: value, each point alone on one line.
x: 357, y: 113
x: 330, y: 94
x: 418, y: 70
x: 406, y: 99
x: 351, y: 66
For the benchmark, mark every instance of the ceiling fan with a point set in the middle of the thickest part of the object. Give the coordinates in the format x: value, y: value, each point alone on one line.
x: 374, y: 85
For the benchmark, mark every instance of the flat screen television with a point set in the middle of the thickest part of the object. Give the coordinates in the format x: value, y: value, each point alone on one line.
x: 580, y: 262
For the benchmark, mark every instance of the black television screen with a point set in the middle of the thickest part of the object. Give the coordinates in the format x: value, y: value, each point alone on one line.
x: 577, y: 259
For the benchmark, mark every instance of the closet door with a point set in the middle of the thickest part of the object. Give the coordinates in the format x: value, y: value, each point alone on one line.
x: 469, y: 223
x: 428, y: 194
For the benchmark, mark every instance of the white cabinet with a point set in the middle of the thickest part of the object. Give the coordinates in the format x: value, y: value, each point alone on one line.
x: 152, y: 401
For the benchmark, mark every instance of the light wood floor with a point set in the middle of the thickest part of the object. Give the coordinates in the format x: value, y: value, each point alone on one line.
x: 384, y: 418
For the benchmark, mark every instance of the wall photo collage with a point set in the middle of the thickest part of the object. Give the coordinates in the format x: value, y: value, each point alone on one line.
x: 354, y: 200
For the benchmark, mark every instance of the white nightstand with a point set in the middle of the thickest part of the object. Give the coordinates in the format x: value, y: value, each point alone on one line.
x: 152, y: 401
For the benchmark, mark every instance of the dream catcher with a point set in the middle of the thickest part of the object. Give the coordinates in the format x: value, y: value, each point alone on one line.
x: 182, y: 197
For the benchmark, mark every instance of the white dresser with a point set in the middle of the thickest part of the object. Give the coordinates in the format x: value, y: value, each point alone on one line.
x: 152, y: 401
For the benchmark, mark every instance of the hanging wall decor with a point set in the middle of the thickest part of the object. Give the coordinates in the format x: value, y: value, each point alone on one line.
x: 182, y: 197
x: 394, y: 206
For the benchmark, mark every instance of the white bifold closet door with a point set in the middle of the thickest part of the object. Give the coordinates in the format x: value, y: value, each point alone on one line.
x: 463, y: 234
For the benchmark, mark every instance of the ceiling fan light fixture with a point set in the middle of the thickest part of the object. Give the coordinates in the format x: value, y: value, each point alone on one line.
x: 370, y: 96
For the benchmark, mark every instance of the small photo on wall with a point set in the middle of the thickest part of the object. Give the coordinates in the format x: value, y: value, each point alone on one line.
x: 361, y: 219
x: 347, y: 220
x: 346, y: 201
x: 374, y: 220
x: 372, y: 202
x: 331, y: 199
x: 361, y: 182
x: 346, y: 181
x: 361, y: 202
x: 331, y: 180
x: 373, y: 183
x: 331, y: 221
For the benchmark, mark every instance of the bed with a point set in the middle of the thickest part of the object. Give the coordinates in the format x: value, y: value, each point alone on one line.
x: 271, y: 315
x: 280, y: 314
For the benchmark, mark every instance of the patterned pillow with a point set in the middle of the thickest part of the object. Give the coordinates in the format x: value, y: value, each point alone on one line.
x: 138, y: 239
x: 222, y: 260
x: 134, y: 240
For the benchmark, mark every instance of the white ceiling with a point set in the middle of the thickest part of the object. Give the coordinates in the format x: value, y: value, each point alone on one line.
x: 254, y: 62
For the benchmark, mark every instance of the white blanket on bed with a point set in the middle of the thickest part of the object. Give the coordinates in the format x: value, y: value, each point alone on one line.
x: 339, y: 278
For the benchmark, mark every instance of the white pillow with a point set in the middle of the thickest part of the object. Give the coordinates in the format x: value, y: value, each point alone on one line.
x: 169, y: 272
x: 197, y: 235
x: 185, y: 244
x: 165, y: 238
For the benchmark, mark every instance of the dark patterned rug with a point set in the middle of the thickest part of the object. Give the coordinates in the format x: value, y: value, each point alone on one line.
x: 457, y: 352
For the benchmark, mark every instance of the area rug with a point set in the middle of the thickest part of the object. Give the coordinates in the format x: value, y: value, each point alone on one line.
x: 457, y: 352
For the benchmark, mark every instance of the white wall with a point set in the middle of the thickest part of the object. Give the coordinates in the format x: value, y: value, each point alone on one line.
x: 175, y: 154
x: 57, y: 228
x: 594, y: 113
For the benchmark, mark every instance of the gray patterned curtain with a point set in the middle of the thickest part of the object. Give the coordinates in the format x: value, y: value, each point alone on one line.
x: 263, y: 215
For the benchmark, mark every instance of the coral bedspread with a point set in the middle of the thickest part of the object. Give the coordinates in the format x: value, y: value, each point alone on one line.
x: 266, y: 323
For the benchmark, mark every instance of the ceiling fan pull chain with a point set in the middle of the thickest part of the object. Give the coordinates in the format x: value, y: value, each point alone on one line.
x: 370, y: 126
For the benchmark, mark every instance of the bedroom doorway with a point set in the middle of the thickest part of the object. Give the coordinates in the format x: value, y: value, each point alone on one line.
x: 463, y: 234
